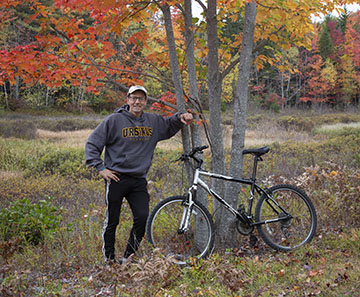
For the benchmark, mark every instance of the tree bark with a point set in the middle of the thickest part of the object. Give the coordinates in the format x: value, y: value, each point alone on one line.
x: 176, y: 76
x: 6, y: 97
x: 214, y: 97
x: 190, y: 59
x: 227, y: 227
x: 195, y: 129
x: 17, y: 88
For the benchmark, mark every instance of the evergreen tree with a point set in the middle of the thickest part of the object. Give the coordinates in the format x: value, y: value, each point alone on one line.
x: 342, y: 20
x: 326, y: 46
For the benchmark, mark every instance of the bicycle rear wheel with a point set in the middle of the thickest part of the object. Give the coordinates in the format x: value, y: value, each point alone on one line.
x: 162, y: 230
x: 289, y: 217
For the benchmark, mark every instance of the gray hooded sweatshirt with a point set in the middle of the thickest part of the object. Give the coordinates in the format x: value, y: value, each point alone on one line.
x: 129, y: 142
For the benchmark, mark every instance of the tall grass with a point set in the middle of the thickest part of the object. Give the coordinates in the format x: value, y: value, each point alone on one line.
x: 338, y: 129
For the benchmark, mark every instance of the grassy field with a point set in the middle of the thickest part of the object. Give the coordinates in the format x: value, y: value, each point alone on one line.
x: 41, y: 167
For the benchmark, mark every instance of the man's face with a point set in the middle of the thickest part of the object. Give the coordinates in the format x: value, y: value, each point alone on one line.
x: 137, y: 102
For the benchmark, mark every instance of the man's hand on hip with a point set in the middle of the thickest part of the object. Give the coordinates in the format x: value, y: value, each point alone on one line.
x: 109, y: 175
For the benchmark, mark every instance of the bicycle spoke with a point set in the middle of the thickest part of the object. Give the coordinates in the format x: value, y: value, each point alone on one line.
x: 164, y: 233
x: 289, y: 216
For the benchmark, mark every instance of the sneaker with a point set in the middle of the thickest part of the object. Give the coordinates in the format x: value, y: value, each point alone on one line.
x: 123, y: 261
x: 111, y: 262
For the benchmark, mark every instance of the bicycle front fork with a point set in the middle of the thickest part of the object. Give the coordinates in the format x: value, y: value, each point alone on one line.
x: 185, y: 220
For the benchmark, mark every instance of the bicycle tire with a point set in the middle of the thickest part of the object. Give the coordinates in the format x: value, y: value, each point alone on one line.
x: 162, y: 230
x: 291, y: 233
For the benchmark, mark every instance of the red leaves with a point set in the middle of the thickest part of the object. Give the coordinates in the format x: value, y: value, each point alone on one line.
x: 61, y: 52
x: 165, y: 110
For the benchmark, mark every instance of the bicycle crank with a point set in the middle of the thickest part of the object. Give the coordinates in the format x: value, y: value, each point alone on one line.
x: 244, y: 229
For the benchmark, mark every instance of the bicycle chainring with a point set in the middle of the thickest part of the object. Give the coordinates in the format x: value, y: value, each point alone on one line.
x: 244, y: 229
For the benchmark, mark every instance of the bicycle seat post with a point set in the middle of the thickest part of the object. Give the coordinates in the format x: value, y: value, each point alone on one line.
x: 256, y: 159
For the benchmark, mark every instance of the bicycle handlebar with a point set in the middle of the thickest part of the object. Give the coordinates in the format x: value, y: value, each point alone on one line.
x: 198, y: 149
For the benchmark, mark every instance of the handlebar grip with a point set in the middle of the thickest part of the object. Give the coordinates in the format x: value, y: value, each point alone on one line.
x: 200, y: 148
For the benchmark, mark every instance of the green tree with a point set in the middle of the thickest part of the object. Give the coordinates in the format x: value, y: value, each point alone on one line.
x: 326, y: 46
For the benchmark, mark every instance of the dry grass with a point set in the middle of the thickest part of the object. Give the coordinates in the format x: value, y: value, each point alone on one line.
x: 9, y: 174
x: 263, y: 135
x: 337, y: 127
x: 65, y: 138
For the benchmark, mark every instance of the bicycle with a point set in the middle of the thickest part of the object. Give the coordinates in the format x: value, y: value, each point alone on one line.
x: 182, y: 227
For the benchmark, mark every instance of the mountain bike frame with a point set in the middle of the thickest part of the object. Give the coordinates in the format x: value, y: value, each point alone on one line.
x: 244, y: 217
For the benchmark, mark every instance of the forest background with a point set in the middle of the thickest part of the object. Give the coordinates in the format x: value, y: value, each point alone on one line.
x: 67, y: 64
x: 32, y: 75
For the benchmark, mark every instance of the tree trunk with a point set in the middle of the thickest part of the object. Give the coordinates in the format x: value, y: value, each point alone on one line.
x: 6, y: 97
x: 195, y: 129
x: 214, y: 96
x: 226, y: 230
x: 176, y: 76
x: 190, y: 59
x: 17, y: 88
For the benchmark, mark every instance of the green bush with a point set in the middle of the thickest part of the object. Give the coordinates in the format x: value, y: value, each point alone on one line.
x: 19, y: 129
x: 28, y: 221
x: 70, y: 124
x: 297, y: 123
x: 309, y: 122
x: 34, y: 157
x: 20, y: 155
x: 67, y: 161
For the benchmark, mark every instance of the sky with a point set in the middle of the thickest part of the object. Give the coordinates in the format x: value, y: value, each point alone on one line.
x: 352, y: 7
x: 349, y: 7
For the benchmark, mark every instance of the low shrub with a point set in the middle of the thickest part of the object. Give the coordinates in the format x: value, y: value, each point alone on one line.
x: 254, y: 121
x: 28, y: 221
x: 42, y: 157
x: 65, y: 161
x: 334, y: 130
x: 18, y: 154
x: 309, y: 122
x: 290, y: 158
x: 26, y: 128
x: 296, y: 123
x: 19, y: 129
x: 335, y: 118
x: 69, y: 124
x: 71, y: 193
x: 334, y: 189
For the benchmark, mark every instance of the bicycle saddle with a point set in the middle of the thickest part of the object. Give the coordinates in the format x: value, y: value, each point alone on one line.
x: 258, y: 151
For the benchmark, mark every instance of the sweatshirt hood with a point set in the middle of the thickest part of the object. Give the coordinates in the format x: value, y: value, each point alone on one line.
x: 125, y: 111
x: 122, y: 108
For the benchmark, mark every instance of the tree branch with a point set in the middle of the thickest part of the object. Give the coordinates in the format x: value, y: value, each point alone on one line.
x: 265, y: 6
x: 262, y: 43
x: 203, y: 6
x: 112, y: 68
x: 109, y: 79
x: 229, y: 68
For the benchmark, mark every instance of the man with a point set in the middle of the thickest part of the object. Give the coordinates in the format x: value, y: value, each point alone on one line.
x: 129, y: 136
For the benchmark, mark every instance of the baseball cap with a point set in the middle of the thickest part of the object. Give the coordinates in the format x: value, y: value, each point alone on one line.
x: 137, y: 88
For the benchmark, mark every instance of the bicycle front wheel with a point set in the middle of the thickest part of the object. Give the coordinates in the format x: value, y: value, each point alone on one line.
x: 163, y: 230
x: 287, y: 217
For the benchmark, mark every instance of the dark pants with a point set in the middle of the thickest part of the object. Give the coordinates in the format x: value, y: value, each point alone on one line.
x: 135, y: 192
